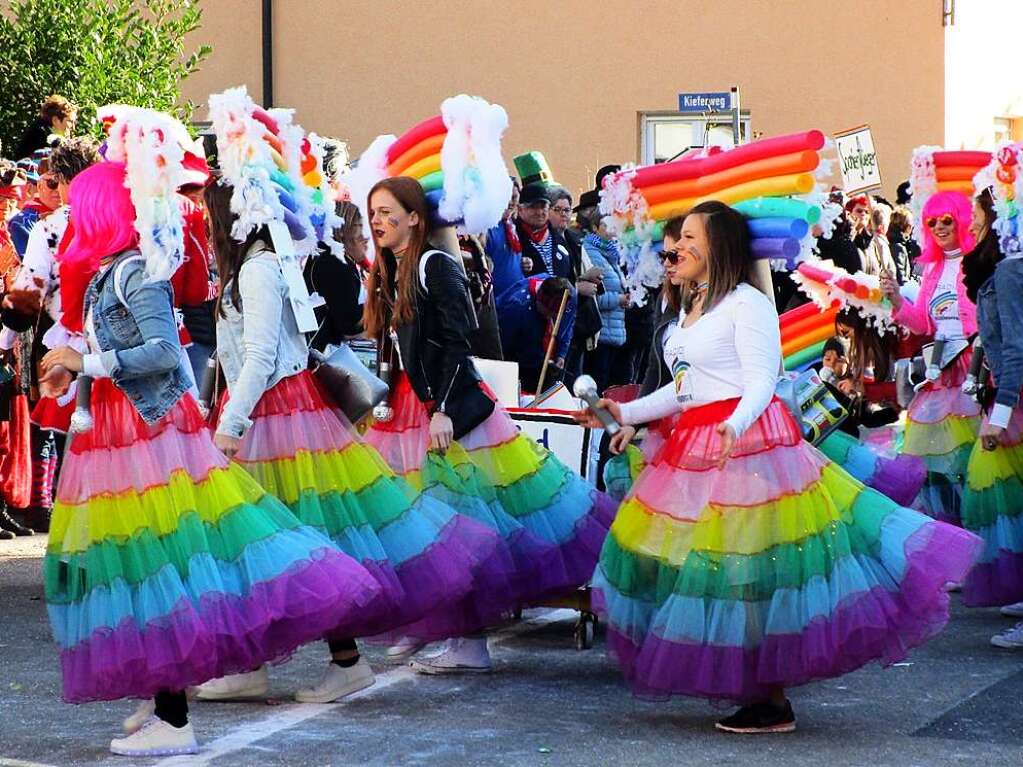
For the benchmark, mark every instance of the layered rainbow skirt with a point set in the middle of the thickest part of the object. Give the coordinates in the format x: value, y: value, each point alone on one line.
x: 942, y: 424
x: 167, y: 566
x: 423, y: 554
x: 993, y: 509
x: 552, y: 522
x: 774, y: 570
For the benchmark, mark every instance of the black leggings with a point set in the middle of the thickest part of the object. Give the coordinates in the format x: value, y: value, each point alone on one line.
x: 172, y: 707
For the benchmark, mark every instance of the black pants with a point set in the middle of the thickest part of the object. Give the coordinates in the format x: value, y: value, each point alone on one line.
x: 172, y: 707
x: 609, y: 366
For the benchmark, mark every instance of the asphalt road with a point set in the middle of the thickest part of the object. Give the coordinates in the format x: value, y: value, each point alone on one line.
x: 956, y: 701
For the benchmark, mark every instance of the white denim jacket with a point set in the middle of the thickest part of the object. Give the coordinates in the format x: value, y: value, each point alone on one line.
x: 260, y: 345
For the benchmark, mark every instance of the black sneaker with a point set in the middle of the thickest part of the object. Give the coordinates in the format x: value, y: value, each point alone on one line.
x: 6, y: 535
x: 760, y: 718
x: 38, y: 519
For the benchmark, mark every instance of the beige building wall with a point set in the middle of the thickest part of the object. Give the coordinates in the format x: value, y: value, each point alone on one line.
x: 574, y: 75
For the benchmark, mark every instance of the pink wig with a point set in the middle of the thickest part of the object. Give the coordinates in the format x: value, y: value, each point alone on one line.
x: 103, y: 224
x: 940, y: 203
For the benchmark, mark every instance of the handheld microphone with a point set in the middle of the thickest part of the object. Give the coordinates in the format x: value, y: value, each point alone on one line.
x: 585, y: 388
x: 209, y: 385
x: 81, y: 419
x: 384, y: 412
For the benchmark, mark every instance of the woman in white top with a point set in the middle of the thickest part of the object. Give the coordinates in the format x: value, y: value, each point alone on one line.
x: 742, y: 561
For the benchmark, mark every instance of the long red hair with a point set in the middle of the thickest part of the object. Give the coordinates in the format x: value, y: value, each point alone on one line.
x: 391, y: 286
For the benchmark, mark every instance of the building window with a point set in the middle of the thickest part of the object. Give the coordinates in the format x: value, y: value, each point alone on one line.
x: 1008, y: 129
x: 665, y: 135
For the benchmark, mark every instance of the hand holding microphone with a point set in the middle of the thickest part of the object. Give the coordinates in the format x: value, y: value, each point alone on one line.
x: 601, y: 412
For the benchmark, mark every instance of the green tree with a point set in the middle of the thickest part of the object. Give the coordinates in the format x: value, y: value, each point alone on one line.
x: 94, y: 52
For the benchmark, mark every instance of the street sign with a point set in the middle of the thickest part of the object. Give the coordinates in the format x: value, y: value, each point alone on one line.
x: 704, y: 102
x: 857, y: 160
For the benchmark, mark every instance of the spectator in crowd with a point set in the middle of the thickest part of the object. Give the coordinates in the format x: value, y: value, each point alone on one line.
x: 503, y: 247
x: 840, y: 248
x: 486, y: 338
x: 608, y: 363
x: 338, y: 281
x: 544, y: 250
x: 857, y: 210
x: 900, y: 239
x: 528, y: 312
x: 877, y: 255
x: 833, y: 362
x: 39, y: 205
x: 870, y: 379
x: 57, y: 117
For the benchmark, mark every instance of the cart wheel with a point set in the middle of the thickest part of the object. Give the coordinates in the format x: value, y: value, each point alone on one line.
x: 585, y: 629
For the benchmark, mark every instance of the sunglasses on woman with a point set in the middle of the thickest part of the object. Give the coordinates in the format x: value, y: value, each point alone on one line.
x: 946, y: 219
x: 671, y: 256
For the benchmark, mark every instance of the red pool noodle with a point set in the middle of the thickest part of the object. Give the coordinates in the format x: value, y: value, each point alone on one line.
x: 414, y: 135
x: 964, y: 157
x: 758, y: 150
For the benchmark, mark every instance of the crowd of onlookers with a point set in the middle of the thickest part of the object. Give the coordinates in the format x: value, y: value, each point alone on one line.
x: 548, y: 282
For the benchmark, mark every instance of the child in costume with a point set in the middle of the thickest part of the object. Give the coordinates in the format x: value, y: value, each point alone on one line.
x: 167, y: 565
x: 993, y: 498
x: 449, y: 437
x: 744, y: 562
x: 941, y: 421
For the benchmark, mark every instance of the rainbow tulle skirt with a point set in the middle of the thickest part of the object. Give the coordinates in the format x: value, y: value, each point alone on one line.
x: 774, y: 570
x: 993, y: 509
x: 168, y: 566
x: 942, y: 424
x: 551, y: 521
x: 422, y: 552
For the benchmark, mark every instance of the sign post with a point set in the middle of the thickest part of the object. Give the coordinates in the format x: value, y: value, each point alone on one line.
x: 858, y: 160
x: 701, y: 103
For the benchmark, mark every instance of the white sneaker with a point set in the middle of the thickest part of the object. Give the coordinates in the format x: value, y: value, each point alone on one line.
x: 338, y: 682
x: 157, y: 738
x: 145, y: 710
x: 254, y: 684
x: 1012, y: 639
x: 1013, y: 611
x: 405, y: 648
x: 461, y: 655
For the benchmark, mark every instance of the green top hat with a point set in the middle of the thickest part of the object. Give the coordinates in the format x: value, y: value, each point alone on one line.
x: 532, y: 167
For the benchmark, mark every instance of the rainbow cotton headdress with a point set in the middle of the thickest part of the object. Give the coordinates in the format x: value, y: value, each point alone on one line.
x: 933, y: 169
x: 274, y: 169
x: 774, y: 183
x: 455, y: 156
x: 1003, y: 176
x: 152, y: 146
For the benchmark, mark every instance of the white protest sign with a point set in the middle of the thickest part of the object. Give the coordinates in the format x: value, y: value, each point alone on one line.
x: 298, y: 294
x: 857, y: 160
x: 557, y: 432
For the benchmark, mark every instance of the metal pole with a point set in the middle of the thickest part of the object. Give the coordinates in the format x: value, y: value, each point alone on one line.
x: 736, y: 119
x: 268, y: 53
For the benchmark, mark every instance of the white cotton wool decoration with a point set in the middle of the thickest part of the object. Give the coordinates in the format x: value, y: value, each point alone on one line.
x: 370, y: 168
x: 332, y: 223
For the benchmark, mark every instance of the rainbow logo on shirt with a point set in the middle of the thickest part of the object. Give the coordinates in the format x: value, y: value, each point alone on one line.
x: 679, y: 369
x: 943, y: 306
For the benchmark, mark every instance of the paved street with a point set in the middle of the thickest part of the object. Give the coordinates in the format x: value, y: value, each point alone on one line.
x: 956, y: 701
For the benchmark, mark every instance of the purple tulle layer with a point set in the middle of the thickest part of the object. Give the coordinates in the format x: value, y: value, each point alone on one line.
x: 997, y: 583
x: 221, y: 634
x: 900, y: 478
x: 876, y: 625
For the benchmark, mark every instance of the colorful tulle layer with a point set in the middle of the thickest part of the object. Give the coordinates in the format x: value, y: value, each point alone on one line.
x: 167, y: 566
x: 993, y: 509
x: 552, y: 522
x: 776, y: 570
x: 423, y: 553
x: 900, y: 477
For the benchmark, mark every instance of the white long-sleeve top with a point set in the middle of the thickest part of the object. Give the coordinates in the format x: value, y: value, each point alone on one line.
x: 732, y: 351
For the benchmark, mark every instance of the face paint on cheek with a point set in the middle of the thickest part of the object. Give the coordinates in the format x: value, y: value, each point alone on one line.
x: 393, y: 221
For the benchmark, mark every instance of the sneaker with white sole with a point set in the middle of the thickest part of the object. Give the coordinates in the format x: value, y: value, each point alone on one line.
x: 461, y: 656
x: 1013, y: 611
x: 404, y: 649
x: 1012, y: 639
x: 253, y: 684
x: 338, y: 682
x: 145, y: 710
x: 157, y: 738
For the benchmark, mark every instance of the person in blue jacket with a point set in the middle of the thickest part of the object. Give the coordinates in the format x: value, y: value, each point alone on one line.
x: 527, y: 312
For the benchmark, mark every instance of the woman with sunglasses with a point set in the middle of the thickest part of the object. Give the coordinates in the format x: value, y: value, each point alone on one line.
x: 993, y: 498
x: 942, y: 422
x: 449, y: 437
x: 744, y: 562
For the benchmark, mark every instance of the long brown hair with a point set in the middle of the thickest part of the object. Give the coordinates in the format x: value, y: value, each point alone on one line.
x: 670, y: 292
x: 229, y: 252
x: 385, y: 300
x: 728, y: 262
x: 869, y: 348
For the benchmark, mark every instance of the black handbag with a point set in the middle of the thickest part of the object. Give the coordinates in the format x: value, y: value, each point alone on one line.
x: 468, y: 405
x: 348, y: 381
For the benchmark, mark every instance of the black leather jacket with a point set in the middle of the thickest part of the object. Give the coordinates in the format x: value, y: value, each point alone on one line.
x: 435, y: 347
x: 657, y: 373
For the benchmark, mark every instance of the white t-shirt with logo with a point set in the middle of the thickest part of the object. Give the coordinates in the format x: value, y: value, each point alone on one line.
x: 944, y: 303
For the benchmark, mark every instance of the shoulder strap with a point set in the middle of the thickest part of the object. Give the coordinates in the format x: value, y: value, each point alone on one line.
x: 424, y: 260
